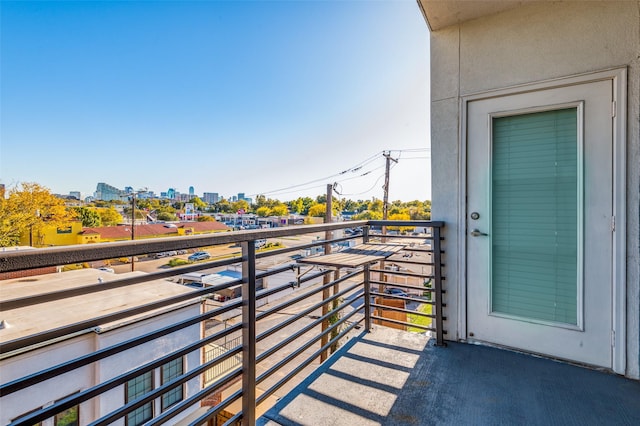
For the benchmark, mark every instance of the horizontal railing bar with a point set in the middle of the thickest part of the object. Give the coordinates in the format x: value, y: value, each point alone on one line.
x: 422, y: 327
x: 406, y: 311
x: 412, y: 223
x: 316, y: 243
x: 417, y: 249
x: 409, y: 262
x: 293, y: 301
x: 403, y: 273
x: 87, y: 394
x: 42, y: 337
x: 267, y: 353
x: 411, y: 286
x: 24, y: 382
x: 398, y: 297
x: 149, y: 396
x: 272, y: 291
x: 408, y: 299
x: 267, y: 393
x: 53, y: 256
x: 213, y: 411
x: 7, y: 305
x: 183, y: 405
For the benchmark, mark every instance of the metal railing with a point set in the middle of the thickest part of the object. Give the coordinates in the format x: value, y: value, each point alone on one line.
x: 348, y: 301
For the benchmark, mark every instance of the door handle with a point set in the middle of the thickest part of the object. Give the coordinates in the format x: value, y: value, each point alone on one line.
x: 477, y: 233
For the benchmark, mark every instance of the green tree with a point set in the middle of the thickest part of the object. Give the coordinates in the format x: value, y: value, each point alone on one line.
x: 400, y: 216
x: 109, y: 216
x: 30, y: 207
x: 167, y: 217
x: 279, y: 210
x: 240, y: 205
x: 198, y: 203
x: 368, y: 215
x: 263, y: 211
x: 205, y: 219
x: 88, y: 217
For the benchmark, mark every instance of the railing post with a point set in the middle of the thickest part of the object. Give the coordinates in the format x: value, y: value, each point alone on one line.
x: 248, y: 333
x: 437, y: 278
x: 367, y: 297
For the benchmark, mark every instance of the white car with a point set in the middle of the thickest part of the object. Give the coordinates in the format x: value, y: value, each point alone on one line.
x: 105, y: 269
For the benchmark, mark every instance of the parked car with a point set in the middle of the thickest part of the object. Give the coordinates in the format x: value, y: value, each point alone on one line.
x: 182, y: 252
x: 160, y: 255
x: 106, y: 269
x: 396, y: 292
x: 199, y: 255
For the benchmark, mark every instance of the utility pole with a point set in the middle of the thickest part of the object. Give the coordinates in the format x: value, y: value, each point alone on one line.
x: 327, y: 277
x: 133, y: 226
x: 385, y: 205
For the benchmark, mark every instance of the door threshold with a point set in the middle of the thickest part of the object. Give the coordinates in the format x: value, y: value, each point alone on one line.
x: 540, y: 355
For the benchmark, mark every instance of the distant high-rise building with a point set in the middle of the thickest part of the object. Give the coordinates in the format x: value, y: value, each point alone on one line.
x: 192, y: 191
x: 75, y: 194
x: 210, y: 197
x: 128, y: 189
x: 163, y: 195
x: 2, y: 190
x: 240, y: 195
x: 234, y: 198
x: 171, y: 193
x: 106, y: 192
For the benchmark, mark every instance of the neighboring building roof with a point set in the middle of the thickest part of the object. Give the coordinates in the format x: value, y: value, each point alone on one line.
x: 48, y: 316
x: 124, y: 231
x: 205, y: 226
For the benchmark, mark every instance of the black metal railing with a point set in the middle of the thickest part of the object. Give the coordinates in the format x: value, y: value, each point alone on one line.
x: 292, y: 325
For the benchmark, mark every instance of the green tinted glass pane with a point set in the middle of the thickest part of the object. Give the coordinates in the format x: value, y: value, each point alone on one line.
x: 135, y: 389
x: 171, y: 370
x: 535, y: 216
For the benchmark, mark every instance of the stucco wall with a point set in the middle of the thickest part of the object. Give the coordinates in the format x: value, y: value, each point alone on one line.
x: 535, y: 42
x: 46, y: 393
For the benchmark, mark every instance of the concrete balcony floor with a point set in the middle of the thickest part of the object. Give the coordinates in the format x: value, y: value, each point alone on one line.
x: 391, y: 377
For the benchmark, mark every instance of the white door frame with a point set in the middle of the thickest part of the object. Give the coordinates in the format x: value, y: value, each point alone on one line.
x: 618, y: 76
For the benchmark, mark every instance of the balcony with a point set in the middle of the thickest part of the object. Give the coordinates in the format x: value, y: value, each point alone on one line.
x: 293, y: 339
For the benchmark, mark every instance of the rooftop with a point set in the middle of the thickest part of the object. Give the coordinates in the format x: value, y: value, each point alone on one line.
x: 42, y: 317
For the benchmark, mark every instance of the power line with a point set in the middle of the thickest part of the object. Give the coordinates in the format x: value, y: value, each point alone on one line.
x: 353, y: 169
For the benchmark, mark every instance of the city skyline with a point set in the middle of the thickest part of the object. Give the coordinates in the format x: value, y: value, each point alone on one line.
x: 236, y: 96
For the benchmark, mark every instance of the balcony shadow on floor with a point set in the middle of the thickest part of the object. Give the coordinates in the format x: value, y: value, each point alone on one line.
x: 390, y: 377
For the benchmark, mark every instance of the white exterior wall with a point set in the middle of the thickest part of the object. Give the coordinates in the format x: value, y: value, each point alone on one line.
x: 140, y: 355
x: 47, y: 392
x: 531, y: 43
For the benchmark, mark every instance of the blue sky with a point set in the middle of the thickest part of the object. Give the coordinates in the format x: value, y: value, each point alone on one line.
x: 227, y: 97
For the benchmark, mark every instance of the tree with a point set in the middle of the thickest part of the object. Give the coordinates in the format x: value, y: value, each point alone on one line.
x: 205, y: 219
x: 400, y: 216
x: 88, y: 217
x: 110, y: 216
x: 167, y: 217
x: 279, y: 210
x: 317, y: 210
x: 240, y: 205
x: 263, y: 211
x: 30, y: 208
x: 368, y: 215
x: 198, y: 203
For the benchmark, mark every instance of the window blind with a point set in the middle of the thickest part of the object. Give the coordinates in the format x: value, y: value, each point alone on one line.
x: 534, y: 230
